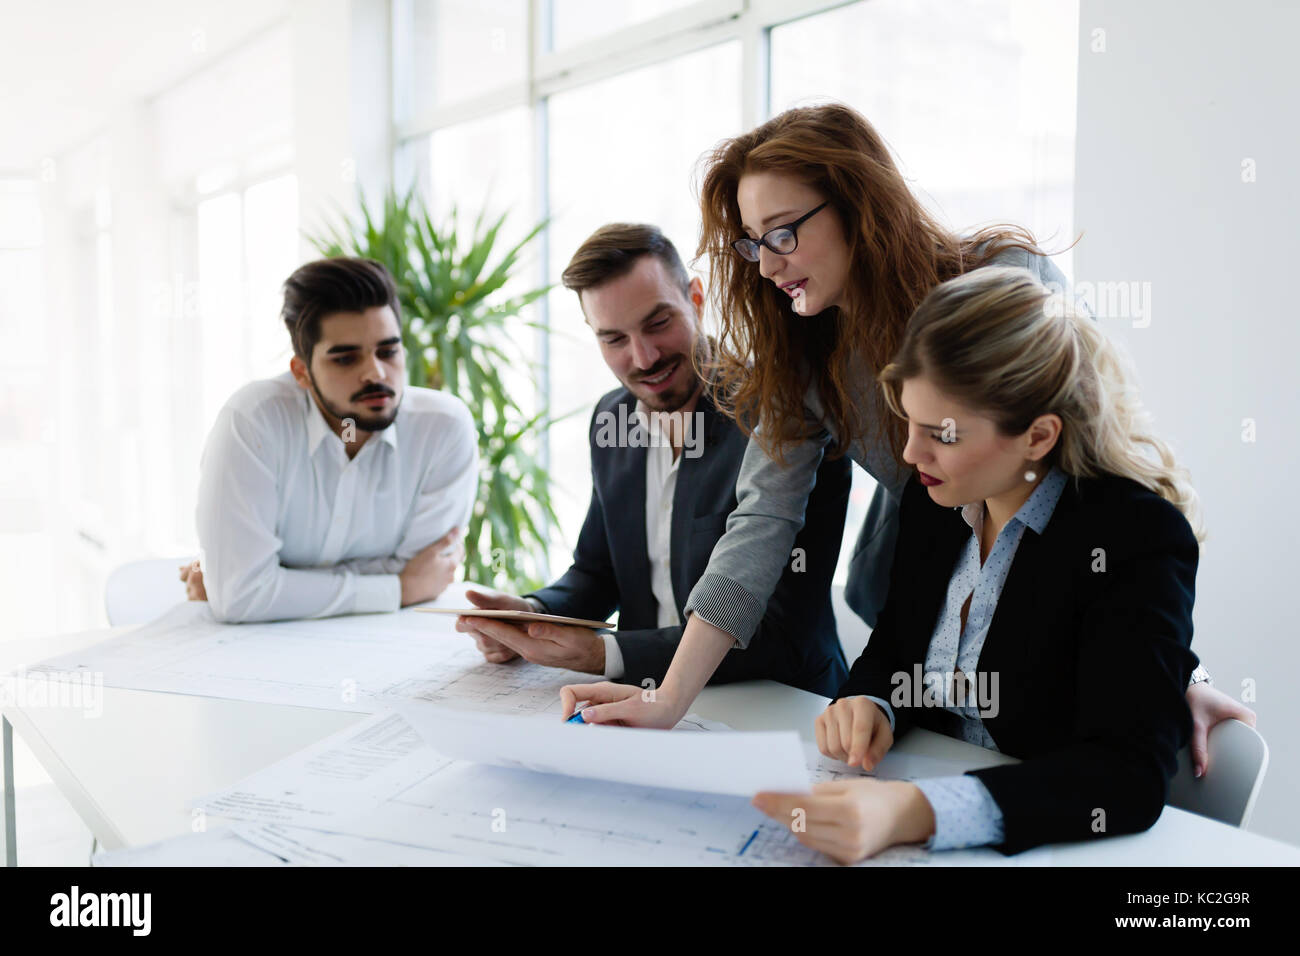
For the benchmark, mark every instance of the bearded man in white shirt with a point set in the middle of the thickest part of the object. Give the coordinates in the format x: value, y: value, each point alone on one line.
x: 334, y: 488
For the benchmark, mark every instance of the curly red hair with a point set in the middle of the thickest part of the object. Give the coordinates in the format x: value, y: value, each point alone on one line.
x: 766, y: 359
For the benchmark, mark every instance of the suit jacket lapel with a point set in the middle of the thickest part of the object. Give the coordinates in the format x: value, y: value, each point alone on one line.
x: 690, y: 475
x: 1007, y: 645
x: 624, y: 494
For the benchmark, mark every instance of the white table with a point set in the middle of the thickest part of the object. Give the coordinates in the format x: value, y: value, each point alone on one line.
x: 131, y: 773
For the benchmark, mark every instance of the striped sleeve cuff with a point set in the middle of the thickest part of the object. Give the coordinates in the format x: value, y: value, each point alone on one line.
x: 965, y: 813
x: 726, y: 605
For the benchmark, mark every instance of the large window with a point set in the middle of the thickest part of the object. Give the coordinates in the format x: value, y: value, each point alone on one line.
x: 593, y: 112
x: 247, y: 245
x: 484, y: 167
x: 622, y: 150
x: 581, y: 21
x: 462, y: 49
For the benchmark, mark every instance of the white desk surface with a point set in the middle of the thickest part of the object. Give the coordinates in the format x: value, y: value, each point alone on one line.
x: 132, y: 772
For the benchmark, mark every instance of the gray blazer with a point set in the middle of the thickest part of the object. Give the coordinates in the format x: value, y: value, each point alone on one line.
x: 771, y: 501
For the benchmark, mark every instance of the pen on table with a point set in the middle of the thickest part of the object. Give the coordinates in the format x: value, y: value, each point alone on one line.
x: 577, y: 712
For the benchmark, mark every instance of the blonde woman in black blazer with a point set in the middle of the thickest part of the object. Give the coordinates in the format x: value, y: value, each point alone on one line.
x: 1041, y: 595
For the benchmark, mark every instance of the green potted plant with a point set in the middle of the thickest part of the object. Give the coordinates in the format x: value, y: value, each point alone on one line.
x: 460, y: 332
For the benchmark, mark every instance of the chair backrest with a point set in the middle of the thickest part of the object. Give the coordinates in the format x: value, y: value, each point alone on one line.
x: 140, y: 591
x: 1227, y: 792
x: 852, y: 629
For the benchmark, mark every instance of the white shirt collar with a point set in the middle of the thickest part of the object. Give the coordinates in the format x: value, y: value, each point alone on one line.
x: 1034, y: 513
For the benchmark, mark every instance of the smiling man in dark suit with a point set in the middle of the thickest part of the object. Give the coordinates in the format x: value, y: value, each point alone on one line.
x: 664, y: 463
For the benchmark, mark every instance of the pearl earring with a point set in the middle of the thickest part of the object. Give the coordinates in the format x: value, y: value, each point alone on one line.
x: 1031, y: 475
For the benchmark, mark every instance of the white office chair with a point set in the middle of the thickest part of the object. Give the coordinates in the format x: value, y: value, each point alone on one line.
x: 852, y: 629
x: 1238, y: 759
x: 140, y: 591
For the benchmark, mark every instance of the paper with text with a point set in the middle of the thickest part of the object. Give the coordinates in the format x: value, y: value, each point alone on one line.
x: 360, y: 663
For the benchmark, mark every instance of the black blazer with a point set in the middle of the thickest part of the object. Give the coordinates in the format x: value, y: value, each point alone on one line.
x: 1091, y: 644
x: 796, y: 642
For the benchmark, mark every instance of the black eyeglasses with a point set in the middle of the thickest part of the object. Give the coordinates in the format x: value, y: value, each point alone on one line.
x: 780, y: 239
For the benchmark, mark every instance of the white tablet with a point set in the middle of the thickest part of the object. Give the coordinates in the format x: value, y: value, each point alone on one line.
x: 514, y: 616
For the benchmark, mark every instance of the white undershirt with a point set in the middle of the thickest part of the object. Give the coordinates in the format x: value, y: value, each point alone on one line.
x: 660, y: 485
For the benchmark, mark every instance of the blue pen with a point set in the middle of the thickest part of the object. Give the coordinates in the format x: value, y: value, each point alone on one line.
x: 577, y: 714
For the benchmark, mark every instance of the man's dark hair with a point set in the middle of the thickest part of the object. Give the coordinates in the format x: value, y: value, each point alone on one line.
x: 327, y: 286
x: 612, y: 251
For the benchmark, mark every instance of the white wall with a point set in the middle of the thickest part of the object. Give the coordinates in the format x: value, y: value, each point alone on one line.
x: 1183, y: 94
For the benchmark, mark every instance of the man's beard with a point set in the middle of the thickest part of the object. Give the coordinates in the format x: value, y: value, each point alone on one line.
x: 376, y: 423
x: 672, y: 401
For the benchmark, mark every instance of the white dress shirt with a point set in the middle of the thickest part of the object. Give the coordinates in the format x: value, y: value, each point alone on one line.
x: 661, y: 469
x: 660, y: 485
x: 289, y: 527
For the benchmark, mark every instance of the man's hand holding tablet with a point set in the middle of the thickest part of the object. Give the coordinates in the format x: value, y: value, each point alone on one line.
x: 521, y: 630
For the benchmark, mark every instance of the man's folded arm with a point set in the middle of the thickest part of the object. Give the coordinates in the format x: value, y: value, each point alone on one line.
x: 391, y: 564
x: 236, y: 519
x: 445, y: 500
x: 447, y: 493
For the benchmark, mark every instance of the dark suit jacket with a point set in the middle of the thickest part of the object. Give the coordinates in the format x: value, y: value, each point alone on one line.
x: 796, y: 643
x: 1092, y: 664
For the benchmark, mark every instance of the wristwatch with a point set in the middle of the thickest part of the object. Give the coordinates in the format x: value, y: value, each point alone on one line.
x: 1200, y: 675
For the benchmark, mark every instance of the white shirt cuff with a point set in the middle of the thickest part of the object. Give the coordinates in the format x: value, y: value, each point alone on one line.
x: 965, y: 813
x: 613, y: 656
x: 377, y: 592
